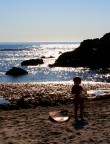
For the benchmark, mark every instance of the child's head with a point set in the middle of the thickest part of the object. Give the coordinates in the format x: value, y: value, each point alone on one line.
x: 77, y: 80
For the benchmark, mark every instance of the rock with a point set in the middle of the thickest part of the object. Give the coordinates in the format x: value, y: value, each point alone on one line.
x: 32, y: 62
x: 43, y: 57
x: 21, y: 103
x: 93, y: 53
x: 8, y: 107
x: 51, y: 57
x: 16, y: 71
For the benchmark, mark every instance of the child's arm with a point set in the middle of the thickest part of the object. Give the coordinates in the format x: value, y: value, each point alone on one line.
x: 73, y: 92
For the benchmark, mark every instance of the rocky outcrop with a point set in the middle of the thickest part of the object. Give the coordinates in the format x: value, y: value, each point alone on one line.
x: 32, y: 62
x: 93, y: 53
x: 16, y: 71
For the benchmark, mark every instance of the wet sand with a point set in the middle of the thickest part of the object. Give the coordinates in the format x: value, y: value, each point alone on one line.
x: 33, y: 126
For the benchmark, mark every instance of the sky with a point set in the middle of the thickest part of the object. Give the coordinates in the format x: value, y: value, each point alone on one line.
x: 53, y: 20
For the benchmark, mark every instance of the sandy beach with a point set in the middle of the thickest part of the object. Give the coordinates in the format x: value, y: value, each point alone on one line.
x: 33, y: 125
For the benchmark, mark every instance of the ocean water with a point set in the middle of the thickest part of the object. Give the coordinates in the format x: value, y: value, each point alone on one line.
x: 12, y: 54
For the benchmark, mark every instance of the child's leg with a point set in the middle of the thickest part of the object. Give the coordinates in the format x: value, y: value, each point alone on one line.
x: 76, y: 110
x: 81, y: 108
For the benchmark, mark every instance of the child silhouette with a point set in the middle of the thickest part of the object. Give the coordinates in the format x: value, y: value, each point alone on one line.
x: 79, y: 101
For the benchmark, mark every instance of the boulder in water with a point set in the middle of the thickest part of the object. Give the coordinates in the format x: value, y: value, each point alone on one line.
x: 32, y: 62
x: 16, y: 71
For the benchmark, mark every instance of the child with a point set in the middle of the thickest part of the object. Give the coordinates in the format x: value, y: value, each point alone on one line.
x: 76, y: 90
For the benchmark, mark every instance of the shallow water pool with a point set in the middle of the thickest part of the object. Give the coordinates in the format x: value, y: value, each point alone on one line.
x: 4, y: 101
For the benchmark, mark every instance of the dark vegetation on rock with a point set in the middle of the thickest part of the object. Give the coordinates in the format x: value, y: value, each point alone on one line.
x: 16, y: 71
x: 32, y: 62
x: 92, y: 53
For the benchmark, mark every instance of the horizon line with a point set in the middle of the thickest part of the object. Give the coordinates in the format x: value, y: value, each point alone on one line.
x: 40, y: 41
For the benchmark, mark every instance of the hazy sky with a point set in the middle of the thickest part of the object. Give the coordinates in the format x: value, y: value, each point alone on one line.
x: 53, y: 20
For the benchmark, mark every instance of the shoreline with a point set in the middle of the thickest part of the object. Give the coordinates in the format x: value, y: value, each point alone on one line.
x: 44, y: 94
x: 17, y: 90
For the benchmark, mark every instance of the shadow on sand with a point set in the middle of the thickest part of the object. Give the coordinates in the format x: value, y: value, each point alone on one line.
x: 79, y: 124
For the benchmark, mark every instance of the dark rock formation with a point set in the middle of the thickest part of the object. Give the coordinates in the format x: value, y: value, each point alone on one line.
x: 15, y: 71
x: 93, y: 53
x: 32, y: 62
x: 43, y: 57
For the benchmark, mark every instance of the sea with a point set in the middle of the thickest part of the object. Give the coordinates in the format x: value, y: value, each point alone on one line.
x: 13, y: 53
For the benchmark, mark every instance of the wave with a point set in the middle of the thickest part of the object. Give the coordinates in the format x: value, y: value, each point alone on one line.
x: 12, y: 49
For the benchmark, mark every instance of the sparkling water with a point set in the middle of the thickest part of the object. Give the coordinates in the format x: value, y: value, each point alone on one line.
x: 12, y: 54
